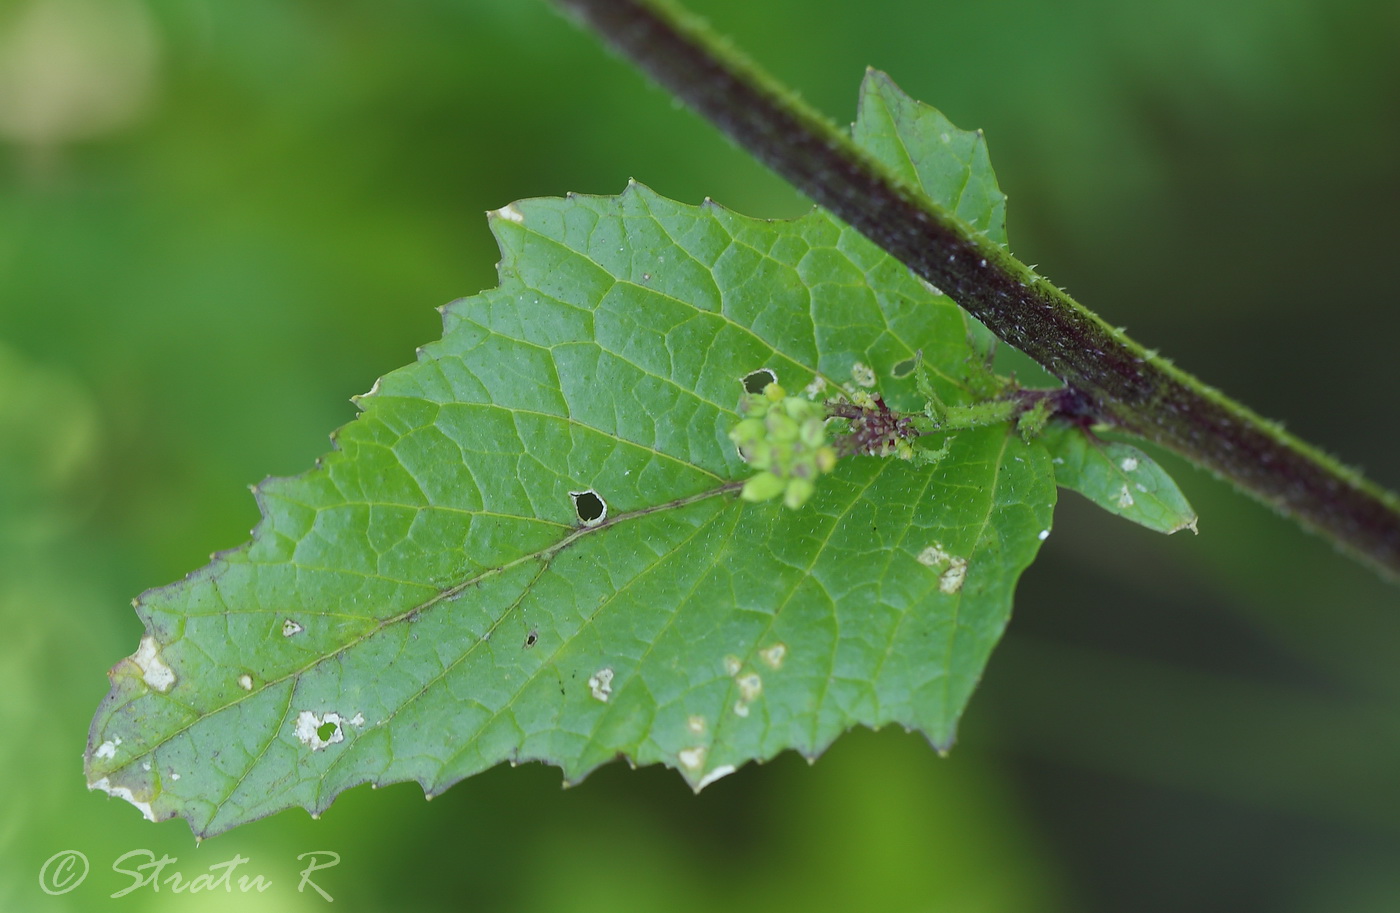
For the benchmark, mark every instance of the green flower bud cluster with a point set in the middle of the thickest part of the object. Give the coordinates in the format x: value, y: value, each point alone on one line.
x: 785, y: 438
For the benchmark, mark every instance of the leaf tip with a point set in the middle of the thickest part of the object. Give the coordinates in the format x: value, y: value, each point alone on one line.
x: 507, y: 212
x: 718, y: 773
x: 373, y: 391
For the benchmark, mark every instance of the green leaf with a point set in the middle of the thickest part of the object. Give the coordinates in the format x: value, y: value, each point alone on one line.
x: 531, y: 546
x: 1117, y: 477
x: 921, y: 147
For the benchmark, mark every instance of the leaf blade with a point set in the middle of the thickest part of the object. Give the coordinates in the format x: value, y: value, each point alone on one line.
x: 426, y: 603
x: 1118, y: 477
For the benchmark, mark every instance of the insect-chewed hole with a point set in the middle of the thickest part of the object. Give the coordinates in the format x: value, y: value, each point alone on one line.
x: 591, y: 508
x: 532, y: 638
x: 755, y: 381
x: 905, y: 367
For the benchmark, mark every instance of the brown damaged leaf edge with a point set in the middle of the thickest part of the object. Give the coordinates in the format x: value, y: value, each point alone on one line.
x: 1126, y: 385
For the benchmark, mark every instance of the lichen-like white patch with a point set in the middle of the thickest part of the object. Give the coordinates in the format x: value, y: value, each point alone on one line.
x: 723, y: 770
x: 153, y: 669
x: 245, y: 681
x: 934, y: 556
x: 1125, y: 498
x: 308, y: 726
x: 692, y: 758
x: 750, y: 687
x: 863, y: 374
x: 815, y: 388
x: 951, y: 569
x: 1044, y: 534
x: 951, y: 580
x: 600, y: 683
x: 1129, y: 464
x: 774, y: 655
x: 357, y: 720
x: 108, y: 749
x: 121, y: 792
x: 291, y: 628
x: 732, y: 665
x: 509, y: 213
x: 741, y: 709
x: 696, y: 724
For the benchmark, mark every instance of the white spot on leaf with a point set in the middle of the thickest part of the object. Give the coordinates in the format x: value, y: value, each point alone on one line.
x: 245, y: 681
x: 933, y: 556
x: 174, y: 776
x: 153, y: 669
x: 750, y: 687
x: 863, y: 374
x: 951, y: 569
x: 723, y: 770
x: 309, y: 728
x: 741, y: 709
x: 1125, y: 498
x: 774, y: 655
x: 509, y: 213
x: 1129, y: 464
x: 290, y: 628
x: 696, y: 724
x: 600, y: 683
x: 108, y: 749
x: 692, y: 758
x: 732, y: 665
x: 951, y: 580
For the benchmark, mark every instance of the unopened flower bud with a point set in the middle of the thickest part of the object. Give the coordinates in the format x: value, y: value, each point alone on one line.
x: 797, y: 492
x: 762, y: 487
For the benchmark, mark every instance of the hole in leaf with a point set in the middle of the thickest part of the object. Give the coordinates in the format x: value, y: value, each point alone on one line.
x: 532, y: 638
x: 905, y: 367
x: 755, y: 381
x: 325, y: 731
x: 590, y: 508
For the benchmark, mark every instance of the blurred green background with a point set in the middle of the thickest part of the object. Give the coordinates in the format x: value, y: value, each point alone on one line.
x: 219, y: 221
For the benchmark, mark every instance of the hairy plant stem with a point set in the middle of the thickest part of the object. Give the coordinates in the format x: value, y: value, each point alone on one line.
x: 1122, y: 383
